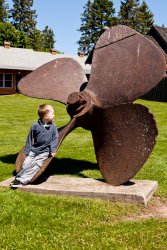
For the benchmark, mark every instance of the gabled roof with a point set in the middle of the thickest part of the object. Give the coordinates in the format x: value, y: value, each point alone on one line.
x: 162, y: 31
x: 158, y: 35
x: 152, y: 39
x: 28, y: 59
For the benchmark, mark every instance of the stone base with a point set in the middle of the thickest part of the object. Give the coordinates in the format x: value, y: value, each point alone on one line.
x: 135, y: 191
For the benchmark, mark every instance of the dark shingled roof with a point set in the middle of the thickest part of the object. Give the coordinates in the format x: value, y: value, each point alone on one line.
x: 152, y: 39
x: 158, y: 35
x: 162, y: 32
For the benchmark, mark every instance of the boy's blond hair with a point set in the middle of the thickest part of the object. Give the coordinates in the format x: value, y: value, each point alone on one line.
x: 43, y: 110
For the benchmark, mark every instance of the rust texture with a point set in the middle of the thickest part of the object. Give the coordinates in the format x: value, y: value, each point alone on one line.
x: 51, y: 79
x: 125, y: 66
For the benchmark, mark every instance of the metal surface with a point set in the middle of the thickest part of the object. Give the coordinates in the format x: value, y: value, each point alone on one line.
x: 54, y: 80
x: 125, y: 66
x: 124, y: 137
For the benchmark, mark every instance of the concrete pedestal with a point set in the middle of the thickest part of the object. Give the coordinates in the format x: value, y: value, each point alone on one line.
x: 135, y: 191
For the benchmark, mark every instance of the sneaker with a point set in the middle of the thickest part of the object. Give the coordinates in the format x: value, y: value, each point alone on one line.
x: 16, y: 183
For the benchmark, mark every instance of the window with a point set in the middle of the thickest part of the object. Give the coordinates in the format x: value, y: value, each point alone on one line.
x: 6, y: 80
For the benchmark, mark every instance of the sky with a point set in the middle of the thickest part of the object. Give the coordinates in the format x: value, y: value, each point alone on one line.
x: 64, y: 18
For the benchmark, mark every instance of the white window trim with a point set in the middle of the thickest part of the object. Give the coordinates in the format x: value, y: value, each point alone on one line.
x: 4, y: 81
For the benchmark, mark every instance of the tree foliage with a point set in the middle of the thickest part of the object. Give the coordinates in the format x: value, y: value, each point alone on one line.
x: 21, y: 31
x: 36, y: 40
x: 145, y: 19
x: 128, y: 12
x: 102, y: 15
x: 23, y: 40
x: 23, y: 17
x: 135, y: 16
x: 96, y: 15
x: 85, y: 44
x: 42, y: 40
x: 48, y: 39
x: 3, y: 11
x: 10, y: 34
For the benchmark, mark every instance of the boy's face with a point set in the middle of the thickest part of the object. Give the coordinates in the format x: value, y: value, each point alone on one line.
x: 50, y: 115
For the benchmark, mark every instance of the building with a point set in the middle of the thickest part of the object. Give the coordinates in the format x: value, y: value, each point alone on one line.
x: 16, y: 63
x: 158, y: 35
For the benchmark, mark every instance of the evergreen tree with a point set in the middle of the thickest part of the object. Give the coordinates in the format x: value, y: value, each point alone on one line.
x: 85, y: 44
x: 128, y: 13
x: 48, y: 39
x: 36, y: 40
x: 23, y: 17
x: 3, y: 11
x: 96, y: 15
x: 145, y: 19
x: 136, y: 16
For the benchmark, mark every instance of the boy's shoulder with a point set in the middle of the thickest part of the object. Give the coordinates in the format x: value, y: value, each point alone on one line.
x: 54, y: 125
x: 36, y: 124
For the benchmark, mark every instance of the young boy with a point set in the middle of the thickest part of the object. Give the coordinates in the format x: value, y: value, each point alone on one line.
x: 41, y: 143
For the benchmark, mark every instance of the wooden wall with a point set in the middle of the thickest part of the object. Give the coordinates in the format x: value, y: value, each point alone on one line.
x: 158, y: 93
x: 17, y: 75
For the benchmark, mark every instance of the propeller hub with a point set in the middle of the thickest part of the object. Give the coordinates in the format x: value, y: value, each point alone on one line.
x: 78, y: 103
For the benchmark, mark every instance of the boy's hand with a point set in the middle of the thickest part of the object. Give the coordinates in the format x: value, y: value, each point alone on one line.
x: 53, y: 154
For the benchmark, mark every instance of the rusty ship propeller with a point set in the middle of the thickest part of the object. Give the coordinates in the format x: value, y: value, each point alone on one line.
x: 125, y: 66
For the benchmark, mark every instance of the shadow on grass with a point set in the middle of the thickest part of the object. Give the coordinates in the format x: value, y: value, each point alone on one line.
x: 69, y: 166
x: 66, y: 166
x: 9, y: 158
x: 63, y: 166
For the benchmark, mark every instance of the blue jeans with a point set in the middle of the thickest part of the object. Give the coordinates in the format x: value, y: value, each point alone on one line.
x: 30, y: 166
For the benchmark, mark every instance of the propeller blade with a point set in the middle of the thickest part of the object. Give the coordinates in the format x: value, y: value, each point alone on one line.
x: 54, y: 80
x: 124, y: 137
x: 125, y: 66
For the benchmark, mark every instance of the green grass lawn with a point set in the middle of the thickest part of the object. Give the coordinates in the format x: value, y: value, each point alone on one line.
x: 31, y: 221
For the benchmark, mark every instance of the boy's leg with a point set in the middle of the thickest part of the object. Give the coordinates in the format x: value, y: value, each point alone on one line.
x: 30, y: 167
x: 26, y: 164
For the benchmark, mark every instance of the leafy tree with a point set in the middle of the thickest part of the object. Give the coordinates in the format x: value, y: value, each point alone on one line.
x: 15, y: 37
x: 8, y: 33
x: 48, y: 39
x: 23, y: 17
x: 24, y: 20
x: 145, y: 19
x: 22, y: 32
x: 96, y: 15
x: 23, y: 40
x: 3, y: 11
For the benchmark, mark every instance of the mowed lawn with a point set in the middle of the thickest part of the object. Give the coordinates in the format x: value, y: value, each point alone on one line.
x: 31, y: 221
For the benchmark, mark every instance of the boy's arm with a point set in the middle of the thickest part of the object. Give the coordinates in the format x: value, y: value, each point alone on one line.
x: 53, y: 154
x: 54, y: 142
x: 29, y: 140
